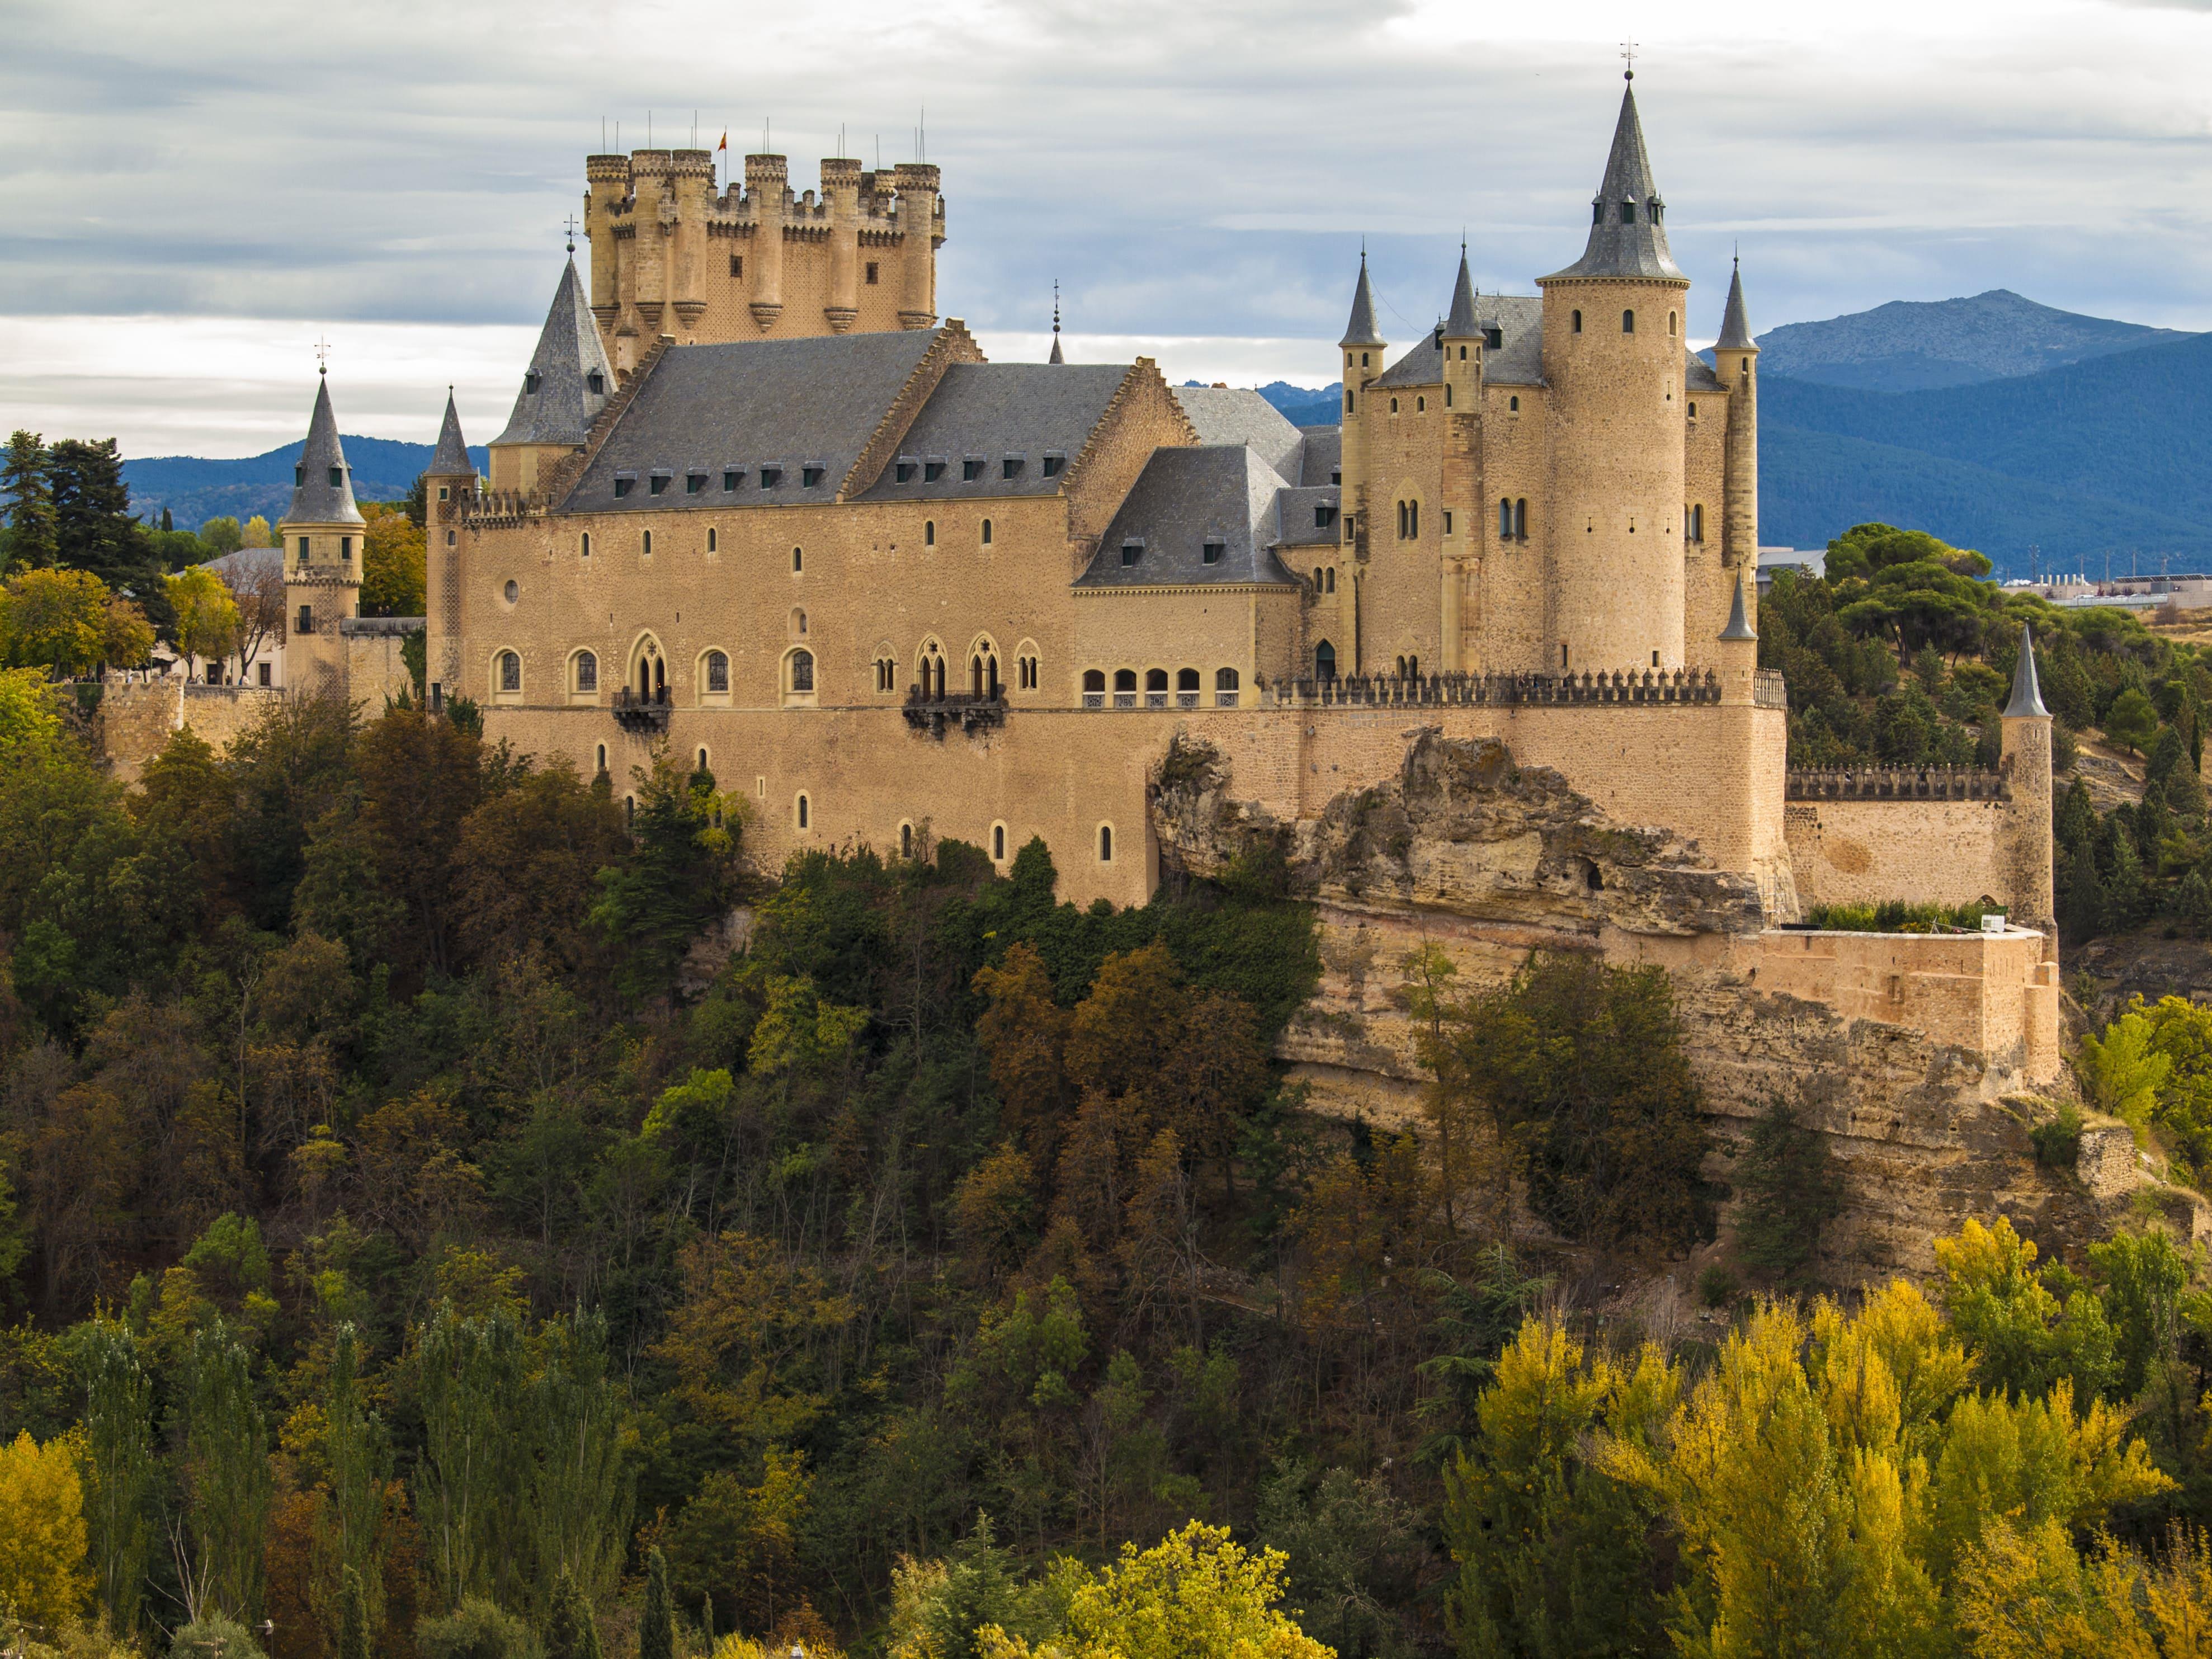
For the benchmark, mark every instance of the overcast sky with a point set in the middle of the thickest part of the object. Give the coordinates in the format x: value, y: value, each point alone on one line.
x: 191, y: 194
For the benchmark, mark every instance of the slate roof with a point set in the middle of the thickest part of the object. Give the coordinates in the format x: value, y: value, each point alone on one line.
x: 1294, y: 517
x: 1518, y: 358
x: 1422, y: 365
x: 1736, y: 327
x: 1699, y: 376
x: 791, y: 403
x: 1222, y: 415
x: 1462, y: 325
x: 1638, y: 248
x: 247, y: 566
x: 556, y: 404
x: 1360, y: 329
x: 322, y: 488
x: 1322, y: 457
x: 2026, y: 693
x: 990, y: 411
x: 1185, y: 497
x: 451, y: 458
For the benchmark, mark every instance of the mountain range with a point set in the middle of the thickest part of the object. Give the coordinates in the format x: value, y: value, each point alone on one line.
x: 195, y: 490
x: 2044, y: 438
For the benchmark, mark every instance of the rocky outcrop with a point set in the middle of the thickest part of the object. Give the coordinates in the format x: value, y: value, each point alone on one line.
x: 1461, y: 831
x: 1465, y: 851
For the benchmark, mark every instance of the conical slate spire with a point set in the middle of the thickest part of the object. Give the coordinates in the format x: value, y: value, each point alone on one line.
x: 569, y: 379
x: 1055, y: 357
x: 322, y: 485
x: 1628, y: 233
x: 1735, y: 328
x: 1739, y: 626
x: 452, y: 459
x: 1462, y: 323
x: 2026, y: 695
x: 1360, y: 331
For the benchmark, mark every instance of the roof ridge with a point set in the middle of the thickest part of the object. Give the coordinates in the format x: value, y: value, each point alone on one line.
x: 953, y: 344
x: 1074, y: 472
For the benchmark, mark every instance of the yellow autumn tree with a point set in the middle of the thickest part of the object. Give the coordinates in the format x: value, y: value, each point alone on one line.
x: 43, y: 1575
x: 1194, y: 1595
x: 391, y: 561
x: 207, y: 614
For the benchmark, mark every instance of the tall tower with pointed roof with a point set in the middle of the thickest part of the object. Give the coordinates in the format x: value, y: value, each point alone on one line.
x: 1735, y: 361
x: 320, y: 536
x: 1365, y: 355
x: 449, y: 482
x: 567, y: 383
x: 1615, y: 355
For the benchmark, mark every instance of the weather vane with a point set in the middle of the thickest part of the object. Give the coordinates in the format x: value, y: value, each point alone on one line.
x: 322, y: 355
x: 1628, y: 57
x: 572, y: 233
x: 1055, y: 305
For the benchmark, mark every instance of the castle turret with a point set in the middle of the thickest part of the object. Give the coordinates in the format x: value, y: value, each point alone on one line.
x: 767, y: 186
x: 684, y: 218
x: 606, y: 216
x: 1462, y: 340
x: 320, y: 537
x: 918, y: 240
x: 653, y: 213
x: 1735, y: 360
x: 1462, y: 343
x: 2025, y: 760
x: 449, y: 481
x: 1613, y: 356
x: 841, y: 189
x: 568, y: 381
x: 1363, y: 349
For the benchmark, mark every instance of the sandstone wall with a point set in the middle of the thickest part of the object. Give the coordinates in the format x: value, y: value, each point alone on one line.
x: 1921, y: 852
x: 136, y: 719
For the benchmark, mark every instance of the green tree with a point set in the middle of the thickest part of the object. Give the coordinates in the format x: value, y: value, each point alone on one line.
x: 2023, y: 1339
x: 353, y: 1619
x: 469, y: 1489
x: 2124, y: 1071
x: 354, y: 1452
x: 656, y: 1621
x: 206, y: 613
x: 24, y: 478
x: 222, y: 535
x: 2131, y: 722
x: 119, y: 1468
x: 225, y: 1466
x: 1791, y: 1190
x: 94, y: 530
x: 677, y: 879
x: 570, y: 1629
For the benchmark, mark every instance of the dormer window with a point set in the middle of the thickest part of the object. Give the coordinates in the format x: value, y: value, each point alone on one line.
x: 337, y: 477
x: 624, y: 483
x: 1131, y: 552
x: 529, y: 384
x: 732, y: 476
x: 1324, y: 515
x: 1656, y: 209
x: 694, y: 483
x: 1597, y: 213
x: 902, y: 473
x: 1493, y: 338
x: 1053, y: 464
x: 1011, y: 467
x: 299, y: 476
x: 931, y: 471
x: 1212, y: 551
x: 658, y: 482
x: 597, y: 382
x: 810, y: 475
x: 1628, y: 213
x: 971, y: 468
x: 771, y: 476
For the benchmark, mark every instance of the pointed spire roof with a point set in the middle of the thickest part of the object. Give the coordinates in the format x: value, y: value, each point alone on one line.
x: 1735, y: 328
x: 1637, y: 247
x: 558, y: 404
x: 2027, y: 694
x: 322, y: 491
x: 1462, y: 323
x: 1739, y: 626
x: 1055, y: 357
x: 1360, y: 331
x: 451, y: 459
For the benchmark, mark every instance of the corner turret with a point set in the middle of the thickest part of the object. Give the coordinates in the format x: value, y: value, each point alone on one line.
x: 567, y: 383
x: 1365, y: 358
x: 2024, y: 758
x: 320, y: 537
x: 1735, y: 358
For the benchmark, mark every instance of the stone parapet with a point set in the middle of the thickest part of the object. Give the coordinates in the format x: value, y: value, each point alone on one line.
x: 1901, y: 783
x: 1641, y: 688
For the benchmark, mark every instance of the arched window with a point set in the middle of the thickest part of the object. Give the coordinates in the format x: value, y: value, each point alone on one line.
x: 1225, y: 685
x: 1105, y: 844
x: 1401, y: 521
x: 718, y: 672
x: 1185, y: 688
x: 510, y: 671
x: 588, y: 543
x: 1628, y: 322
x: 1094, y: 687
x: 1328, y: 580
x: 929, y: 532
x: 1576, y: 323
x: 1156, y: 687
x: 710, y: 540
x: 797, y: 559
x: 1413, y: 668
x: 998, y: 843
x: 886, y: 674
x: 805, y: 813
x: 1521, y: 519
x: 1670, y: 322
x: 986, y: 533
x: 932, y: 669
x: 1413, y: 521
x: 798, y: 622
x: 1513, y: 404
x: 905, y: 841
x: 1317, y: 579
x: 802, y: 670
x: 703, y: 760
x: 1393, y: 405
x: 1324, y: 661
x: 1505, y: 518
x: 602, y: 757
x: 1693, y: 409
x: 1401, y: 668
x: 648, y: 544
x: 1420, y: 405
x: 1125, y: 688
x: 587, y: 671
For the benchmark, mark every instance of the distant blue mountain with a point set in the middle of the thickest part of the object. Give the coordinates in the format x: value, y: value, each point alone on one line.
x: 195, y: 490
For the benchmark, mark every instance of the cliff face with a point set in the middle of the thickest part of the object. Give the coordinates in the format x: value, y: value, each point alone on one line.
x: 1467, y: 852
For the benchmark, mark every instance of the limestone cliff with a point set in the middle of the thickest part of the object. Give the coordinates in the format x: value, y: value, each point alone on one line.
x: 1489, y: 861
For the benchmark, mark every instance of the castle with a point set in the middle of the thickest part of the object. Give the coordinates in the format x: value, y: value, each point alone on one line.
x: 757, y: 503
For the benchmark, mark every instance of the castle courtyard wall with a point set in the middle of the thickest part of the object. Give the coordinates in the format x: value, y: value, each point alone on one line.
x: 1919, y: 851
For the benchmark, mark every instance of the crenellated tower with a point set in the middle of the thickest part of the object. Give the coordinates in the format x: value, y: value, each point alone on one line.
x: 671, y: 256
x: 1614, y: 357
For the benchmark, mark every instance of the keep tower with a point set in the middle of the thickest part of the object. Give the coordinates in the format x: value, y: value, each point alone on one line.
x: 1614, y: 357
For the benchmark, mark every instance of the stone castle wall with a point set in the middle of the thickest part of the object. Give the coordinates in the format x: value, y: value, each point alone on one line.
x: 136, y: 719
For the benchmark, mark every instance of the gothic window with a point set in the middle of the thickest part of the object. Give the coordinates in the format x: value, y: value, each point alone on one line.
x: 905, y: 841
x: 1328, y: 580
x: 1324, y: 661
x: 1576, y: 323
x: 602, y: 757
x: 718, y: 672
x: 986, y: 533
x: 802, y: 670
x: 1105, y: 844
x: 510, y: 671
x: 587, y: 671
x: 998, y: 843
x: 1628, y: 322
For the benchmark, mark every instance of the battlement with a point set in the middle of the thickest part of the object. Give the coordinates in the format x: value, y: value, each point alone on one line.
x: 877, y: 197
x: 1902, y: 783
x: 1627, y: 688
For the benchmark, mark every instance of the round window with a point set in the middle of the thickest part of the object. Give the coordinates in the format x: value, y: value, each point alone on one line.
x: 512, y: 593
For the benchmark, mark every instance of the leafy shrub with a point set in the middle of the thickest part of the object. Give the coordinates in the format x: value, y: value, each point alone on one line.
x: 2058, y: 1143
